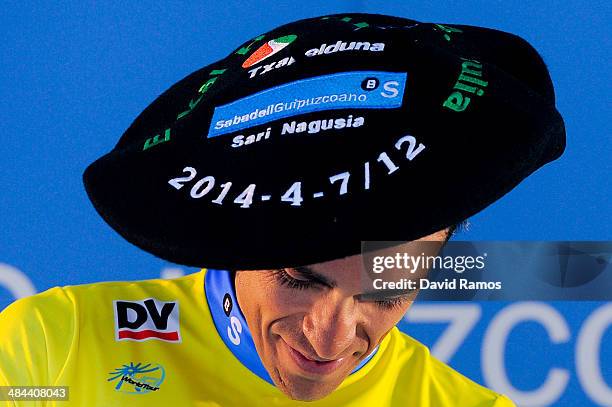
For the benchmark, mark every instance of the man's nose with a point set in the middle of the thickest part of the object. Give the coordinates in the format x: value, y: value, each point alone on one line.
x: 331, y: 326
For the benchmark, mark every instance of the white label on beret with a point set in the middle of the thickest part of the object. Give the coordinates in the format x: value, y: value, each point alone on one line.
x: 360, y: 89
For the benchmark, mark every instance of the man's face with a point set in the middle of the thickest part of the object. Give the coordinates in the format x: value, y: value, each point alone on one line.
x: 313, y: 325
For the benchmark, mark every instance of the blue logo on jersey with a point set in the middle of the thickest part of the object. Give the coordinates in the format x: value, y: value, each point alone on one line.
x: 139, y: 378
x: 357, y: 90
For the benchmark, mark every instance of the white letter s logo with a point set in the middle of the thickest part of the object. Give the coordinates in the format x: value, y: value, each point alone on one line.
x: 391, y: 88
x: 234, y: 330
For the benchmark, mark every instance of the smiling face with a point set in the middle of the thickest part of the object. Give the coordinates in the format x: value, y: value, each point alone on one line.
x: 313, y: 325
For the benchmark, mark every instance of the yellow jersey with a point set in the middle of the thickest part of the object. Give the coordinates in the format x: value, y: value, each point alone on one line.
x: 154, y: 343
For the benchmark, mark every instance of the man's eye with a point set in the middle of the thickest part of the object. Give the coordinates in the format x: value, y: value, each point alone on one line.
x: 285, y: 279
x: 391, y: 303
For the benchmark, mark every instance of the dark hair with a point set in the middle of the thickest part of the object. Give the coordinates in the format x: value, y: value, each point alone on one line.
x: 459, y: 227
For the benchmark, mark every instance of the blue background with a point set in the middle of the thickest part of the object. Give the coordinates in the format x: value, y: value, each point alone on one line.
x: 73, y: 77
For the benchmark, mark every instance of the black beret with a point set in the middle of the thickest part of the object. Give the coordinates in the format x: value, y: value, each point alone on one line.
x: 326, y: 132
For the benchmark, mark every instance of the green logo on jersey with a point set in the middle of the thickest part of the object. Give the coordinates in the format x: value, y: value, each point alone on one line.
x: 139, y: 378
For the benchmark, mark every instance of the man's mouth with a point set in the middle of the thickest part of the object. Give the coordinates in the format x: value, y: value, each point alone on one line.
x: 312, y: 364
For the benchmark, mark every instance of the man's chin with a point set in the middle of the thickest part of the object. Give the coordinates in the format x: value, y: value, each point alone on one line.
x: 303, y: 389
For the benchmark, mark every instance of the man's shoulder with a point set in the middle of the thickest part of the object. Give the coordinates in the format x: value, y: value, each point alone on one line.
x: 45, y: 330
x: 29, y: 310
x: 443, y: 383
x: 65, y: 303
x: 37, y: 334
x: 165, y: 288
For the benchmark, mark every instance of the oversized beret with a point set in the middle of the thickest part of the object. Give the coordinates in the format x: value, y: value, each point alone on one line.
x: 324, y: 133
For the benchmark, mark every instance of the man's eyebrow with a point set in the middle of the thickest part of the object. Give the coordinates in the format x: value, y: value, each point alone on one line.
x: 310, y: 273
x: 388, y: 294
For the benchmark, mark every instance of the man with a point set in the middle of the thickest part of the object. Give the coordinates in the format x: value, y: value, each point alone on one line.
x: 313, y: 326
x: 306, y: 333
x: 279, y: 161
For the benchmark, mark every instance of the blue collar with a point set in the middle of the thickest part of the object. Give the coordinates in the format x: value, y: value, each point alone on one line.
x: 231, y: 325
